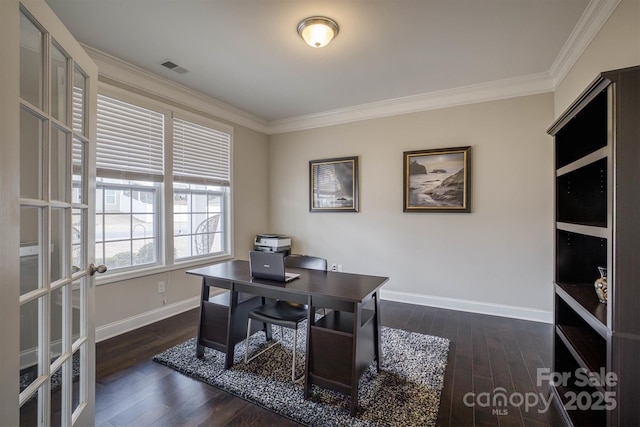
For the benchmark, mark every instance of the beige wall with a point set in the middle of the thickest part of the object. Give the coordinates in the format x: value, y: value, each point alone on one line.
x: 250, y: 188
x: 499, y: 254
x: 617, y: 45
x: 118, y: 301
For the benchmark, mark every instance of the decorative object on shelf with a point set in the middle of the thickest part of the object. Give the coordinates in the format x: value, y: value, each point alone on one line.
x: 437, y: 180
x: 601, y: 285
x: 333, y: 185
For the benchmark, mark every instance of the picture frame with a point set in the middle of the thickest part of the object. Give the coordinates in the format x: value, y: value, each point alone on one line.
x: 333, y: 185
x: 437, y: 180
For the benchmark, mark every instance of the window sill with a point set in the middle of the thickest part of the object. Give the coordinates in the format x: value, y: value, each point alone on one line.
x: 157, y: 269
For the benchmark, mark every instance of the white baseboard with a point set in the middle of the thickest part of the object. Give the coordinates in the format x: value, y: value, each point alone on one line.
x: 129, y: 324
x: 523, y: 313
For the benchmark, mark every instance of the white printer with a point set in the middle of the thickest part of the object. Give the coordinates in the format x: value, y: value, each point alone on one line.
x: 272, y: 243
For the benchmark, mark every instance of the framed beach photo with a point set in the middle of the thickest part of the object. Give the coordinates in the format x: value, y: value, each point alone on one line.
x: 437, y: 180
x: 333, y: 185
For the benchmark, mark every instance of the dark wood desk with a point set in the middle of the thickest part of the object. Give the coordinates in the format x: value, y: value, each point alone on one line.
x: 340, y: 345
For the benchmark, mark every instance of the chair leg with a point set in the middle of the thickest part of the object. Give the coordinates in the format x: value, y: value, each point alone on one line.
x: 295, y: 347
x: 246, y: 342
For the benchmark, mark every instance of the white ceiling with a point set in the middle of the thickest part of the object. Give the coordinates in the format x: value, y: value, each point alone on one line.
x: 248, y: 54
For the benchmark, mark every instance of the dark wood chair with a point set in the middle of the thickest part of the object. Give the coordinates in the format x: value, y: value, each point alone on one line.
x: 283, y: 313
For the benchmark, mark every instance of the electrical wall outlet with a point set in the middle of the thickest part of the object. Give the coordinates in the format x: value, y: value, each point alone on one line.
x: 161, y: 287
x: 334, y: 267
x: 340, y: 267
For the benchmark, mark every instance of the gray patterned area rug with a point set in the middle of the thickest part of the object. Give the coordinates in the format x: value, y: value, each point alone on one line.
x: 405, y: 393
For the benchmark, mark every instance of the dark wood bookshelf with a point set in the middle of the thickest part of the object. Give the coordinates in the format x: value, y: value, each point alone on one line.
x: 575, y: 416
x: 581, y: 346
x: 581, y: 300
x: 597, y: 206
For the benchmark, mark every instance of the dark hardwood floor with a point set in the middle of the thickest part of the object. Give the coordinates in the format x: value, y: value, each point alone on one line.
x: 486, y: 353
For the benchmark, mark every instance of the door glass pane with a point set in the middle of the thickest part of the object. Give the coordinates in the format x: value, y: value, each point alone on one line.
x: 77, y: 165
x: 57, y: 317
x: 77, y: 297
x: 56, y: 398
x: 76, y: 373
x: 30, y: 249
x: 59, y: 65
x: 77, y: 240
x: 79, y: 104
x: 59, y: 243
x: 29, y: 349
x: 30, y: 155
x: 31, y: 62
x: 29, y: 411
x: 58, y: 163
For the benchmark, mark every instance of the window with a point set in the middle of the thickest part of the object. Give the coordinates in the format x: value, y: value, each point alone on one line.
x: 130, y: 166
x: 197, y: 225
x: 201, y: 158
x: 127, y: 228
x: 144, y: 216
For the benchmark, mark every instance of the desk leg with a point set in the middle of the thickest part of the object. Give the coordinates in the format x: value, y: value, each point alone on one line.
x: 233, y: 303
x: 204, y: 296
x: 357, y: 321
x: 376, y: 332
x: 311, y: 319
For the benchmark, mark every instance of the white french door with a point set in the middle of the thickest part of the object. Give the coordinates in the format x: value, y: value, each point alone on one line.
x: 58, y: 84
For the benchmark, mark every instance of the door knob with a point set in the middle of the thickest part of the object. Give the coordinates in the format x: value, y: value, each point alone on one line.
x: 99, y: 269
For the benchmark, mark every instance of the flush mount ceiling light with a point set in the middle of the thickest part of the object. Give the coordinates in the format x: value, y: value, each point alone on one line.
x: 318, y: 31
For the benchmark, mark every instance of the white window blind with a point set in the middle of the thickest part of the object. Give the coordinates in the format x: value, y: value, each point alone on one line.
x: 78, y: 147
x: 78, y: 109
x: 201, y: 155
x: 130, y: 141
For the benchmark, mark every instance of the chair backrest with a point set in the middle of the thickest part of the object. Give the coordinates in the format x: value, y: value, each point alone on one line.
x: 305, y: 261
x: 205, y: 234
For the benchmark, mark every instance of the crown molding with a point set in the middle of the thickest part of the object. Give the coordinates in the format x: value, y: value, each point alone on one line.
x: 490, y: 91
x: 123, y: 72
x: 588, y: 26
x: 593, y: 18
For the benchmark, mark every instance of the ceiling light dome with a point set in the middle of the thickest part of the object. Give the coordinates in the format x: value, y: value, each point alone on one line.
x: 318, y: 31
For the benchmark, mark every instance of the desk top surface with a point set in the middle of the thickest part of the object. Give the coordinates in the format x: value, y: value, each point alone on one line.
x: 343, y: 286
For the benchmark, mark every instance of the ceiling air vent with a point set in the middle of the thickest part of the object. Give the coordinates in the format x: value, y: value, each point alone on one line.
x: 174, y: 67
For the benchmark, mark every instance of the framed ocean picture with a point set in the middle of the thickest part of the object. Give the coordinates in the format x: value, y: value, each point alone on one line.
x: 437, y: 180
